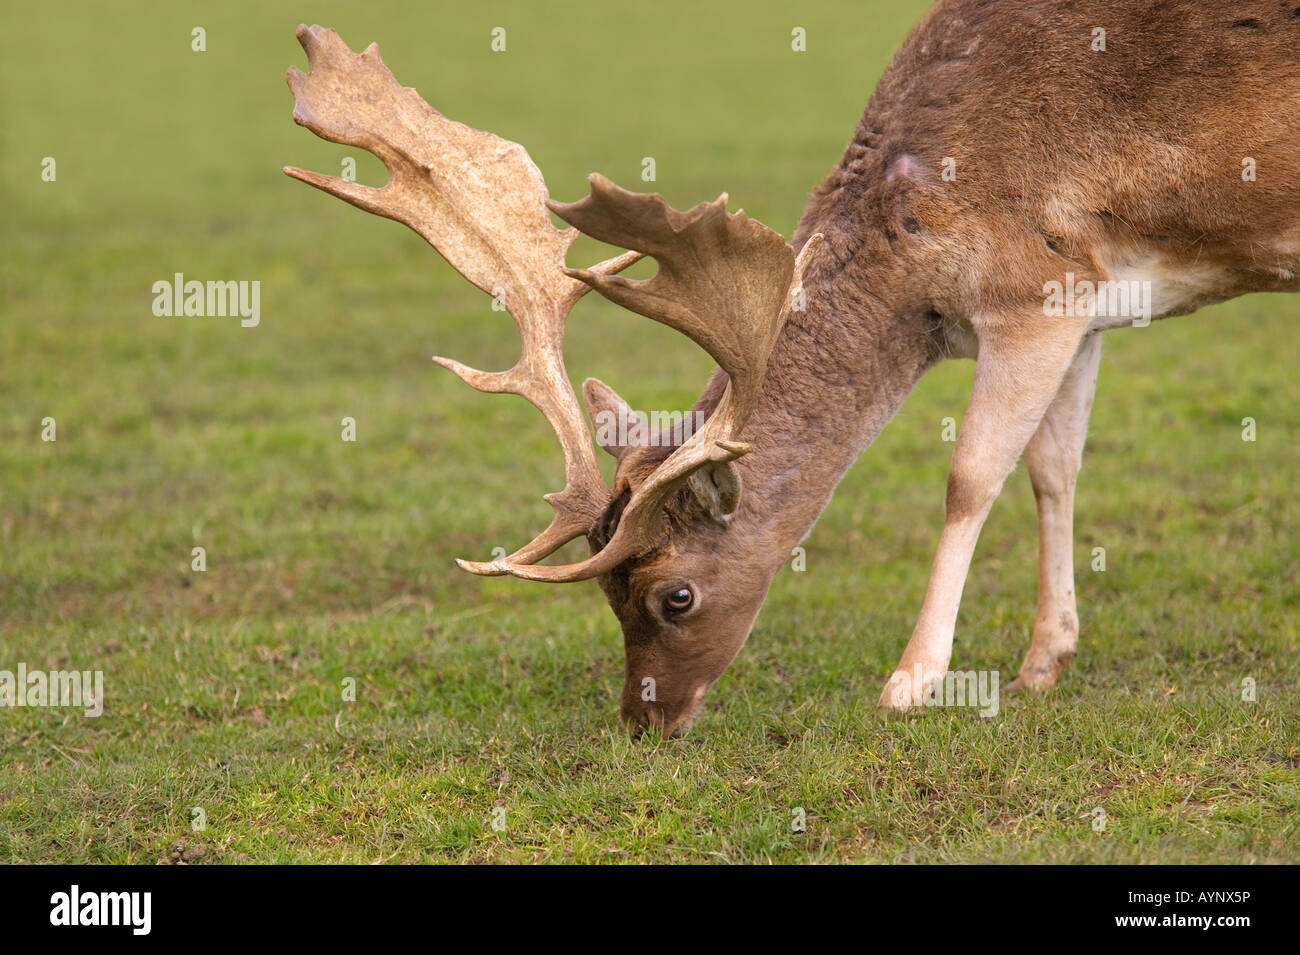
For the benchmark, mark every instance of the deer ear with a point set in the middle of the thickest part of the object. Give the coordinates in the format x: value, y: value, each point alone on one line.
x: 717, y: 488
x: 613, y: 418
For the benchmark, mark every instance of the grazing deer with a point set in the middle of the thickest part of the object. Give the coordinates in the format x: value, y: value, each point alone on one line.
x: 1011, y: 148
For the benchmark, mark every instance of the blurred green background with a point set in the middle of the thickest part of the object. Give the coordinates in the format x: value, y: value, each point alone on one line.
x: 329, y: 560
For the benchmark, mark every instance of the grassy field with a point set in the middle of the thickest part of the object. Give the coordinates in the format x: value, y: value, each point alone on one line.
x: 329, y: 560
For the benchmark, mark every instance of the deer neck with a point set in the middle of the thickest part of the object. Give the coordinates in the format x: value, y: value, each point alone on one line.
x: 841, y: 369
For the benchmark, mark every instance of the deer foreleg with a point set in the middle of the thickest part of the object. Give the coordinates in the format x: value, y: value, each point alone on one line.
x: 1018, y: 373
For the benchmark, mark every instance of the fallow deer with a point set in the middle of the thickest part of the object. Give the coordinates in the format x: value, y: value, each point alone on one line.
x: 1010, y: 147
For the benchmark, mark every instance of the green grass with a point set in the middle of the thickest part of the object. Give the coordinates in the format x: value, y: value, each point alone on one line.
x: 329, y: 560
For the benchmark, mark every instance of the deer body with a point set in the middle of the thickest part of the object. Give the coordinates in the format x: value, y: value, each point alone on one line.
x: 1065, y: 162
x: 1004, y: 150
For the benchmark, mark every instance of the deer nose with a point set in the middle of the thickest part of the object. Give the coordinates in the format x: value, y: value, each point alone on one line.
x: 640, y: 716
x: 672, y: 717
x: 639, y: 719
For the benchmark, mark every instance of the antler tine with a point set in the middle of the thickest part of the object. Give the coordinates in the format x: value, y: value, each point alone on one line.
x: 481, y: 202
x: 724, y: 280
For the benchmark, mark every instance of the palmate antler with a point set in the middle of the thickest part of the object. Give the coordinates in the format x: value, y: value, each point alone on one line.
x: 724, y: 280
x: 481, y: 202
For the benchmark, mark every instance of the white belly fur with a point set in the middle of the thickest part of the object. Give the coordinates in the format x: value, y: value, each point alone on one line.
x: 1165, y: 287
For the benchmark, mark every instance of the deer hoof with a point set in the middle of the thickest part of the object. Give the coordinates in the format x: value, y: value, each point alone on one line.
x: 907, y: 688
x: 1037, y: 680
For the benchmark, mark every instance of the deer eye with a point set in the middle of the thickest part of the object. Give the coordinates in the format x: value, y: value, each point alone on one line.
x: 679, y: 601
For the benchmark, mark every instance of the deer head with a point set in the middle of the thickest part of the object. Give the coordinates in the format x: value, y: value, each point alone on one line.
x: 685, y: 591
